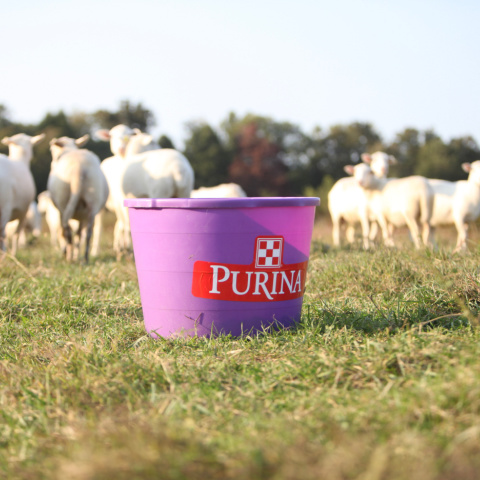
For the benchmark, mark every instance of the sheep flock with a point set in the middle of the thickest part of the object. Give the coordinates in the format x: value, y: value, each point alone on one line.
x: 367, y: 197
x: 81, y: 188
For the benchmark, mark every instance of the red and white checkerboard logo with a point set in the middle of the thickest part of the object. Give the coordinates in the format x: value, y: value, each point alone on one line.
x: 269, y: 252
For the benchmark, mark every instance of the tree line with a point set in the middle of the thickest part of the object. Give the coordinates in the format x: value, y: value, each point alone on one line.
x: 266, y: 157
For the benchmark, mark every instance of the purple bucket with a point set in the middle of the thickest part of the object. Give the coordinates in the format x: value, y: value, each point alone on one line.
x: 219, y: 266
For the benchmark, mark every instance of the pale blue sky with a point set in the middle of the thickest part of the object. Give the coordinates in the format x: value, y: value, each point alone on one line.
x: 311, y: 62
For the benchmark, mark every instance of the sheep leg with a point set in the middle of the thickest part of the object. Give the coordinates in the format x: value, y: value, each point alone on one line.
x: 121, y: 233
x: 4, y: 218
x: 88, y: 239
x: 16, y: 234
x: 350, y: 233
x: 2, y: 239
x: 67, y: 235
x: 462, y: 229
x: 336, y: 231
x: 118, y: 236
x: 373, y: 231
x: 77, y: 240
x: 428, y: 235
x: 60, y: 241
x: 414, y: 231
x: 364, y: 221
x: 97, y: 232
x: 127, y: 241
x: 386, y: 231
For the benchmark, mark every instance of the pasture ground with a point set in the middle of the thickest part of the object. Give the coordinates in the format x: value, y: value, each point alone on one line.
x: 380, y: 379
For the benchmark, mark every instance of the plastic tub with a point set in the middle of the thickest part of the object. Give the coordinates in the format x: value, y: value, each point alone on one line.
x: 221, y: 266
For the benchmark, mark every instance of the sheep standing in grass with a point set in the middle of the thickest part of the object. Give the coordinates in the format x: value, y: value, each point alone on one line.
x: 224, y: 190
x: 51, y: 212
x: 123, y: 141
x: 22, y: 185
x: 457, y: 203
x: 347, y: 200
x: 78, y: 189
x: 151, y: 173
x: 395, y: 202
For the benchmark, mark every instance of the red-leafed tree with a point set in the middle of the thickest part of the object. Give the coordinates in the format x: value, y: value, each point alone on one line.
x: 258, y: 162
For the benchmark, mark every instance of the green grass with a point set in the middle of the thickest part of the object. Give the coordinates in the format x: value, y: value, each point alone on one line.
x: 380, y: 380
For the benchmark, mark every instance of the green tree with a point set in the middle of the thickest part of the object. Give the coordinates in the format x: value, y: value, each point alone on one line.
x: 322, y: 192
x: 165, y: 142
x: 9, y: 128
x: 207, y: 154
x: 133, y: 115
x: 57, y: 125
x: 313, y: 173
x: 405, y: 149
x: 433, y: 160
x: 342, y: 145
x: 5, y: 121
x: 425, y: 153
x: 461, y: 150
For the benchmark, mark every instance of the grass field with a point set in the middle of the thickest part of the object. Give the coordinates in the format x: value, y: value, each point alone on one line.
x: 380, y: 379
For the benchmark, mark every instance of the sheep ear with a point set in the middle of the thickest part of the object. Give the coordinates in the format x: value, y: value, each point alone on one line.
x: 82, y: 141
x: 103, y: 134
x: 392, y: 160
x: 147, y: 139
x: 37, y: 138
x: 349, y: 169
x: 467, y: 167
x: 5, y: 140
x: 366, y: 158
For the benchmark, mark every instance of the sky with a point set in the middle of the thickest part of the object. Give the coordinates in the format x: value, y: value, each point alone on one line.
x: 394, y: 64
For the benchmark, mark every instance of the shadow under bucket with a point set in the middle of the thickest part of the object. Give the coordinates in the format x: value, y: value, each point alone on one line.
x: 219, y: 266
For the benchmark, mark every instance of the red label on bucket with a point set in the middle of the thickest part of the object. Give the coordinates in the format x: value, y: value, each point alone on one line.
x: 265, y: 279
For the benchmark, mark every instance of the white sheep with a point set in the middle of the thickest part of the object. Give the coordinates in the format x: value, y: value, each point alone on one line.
x: 124, y: 141
x: 224, y: 190
x: 52, y: 215
x: 157, y: 173
x: 20, y: 153
x: 396, y: 202
x: 347, y: 201
x: 78, y: 189
x: 457, y: 203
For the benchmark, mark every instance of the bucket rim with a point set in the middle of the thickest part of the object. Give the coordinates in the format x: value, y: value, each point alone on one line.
x: 202, y: 203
